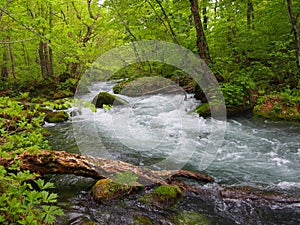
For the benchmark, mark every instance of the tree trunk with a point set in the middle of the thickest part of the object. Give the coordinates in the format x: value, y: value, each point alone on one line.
x: 12, y: 59
x: 168, y: 22
x: 4, y: 69
x: 60, y: 162
x: 42, y: 60
x: 201, y: 40
x: 204, y: 12
x: 293, y: 19
x: 250, y: 14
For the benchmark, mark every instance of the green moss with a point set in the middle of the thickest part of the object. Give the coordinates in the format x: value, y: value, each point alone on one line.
x: 56, y: 117
x: 142, y: 220
x: 163, y: 196
x: 106, y: 189
x: 168, y: 191
x: 203, y: 110
x: 191, y: 218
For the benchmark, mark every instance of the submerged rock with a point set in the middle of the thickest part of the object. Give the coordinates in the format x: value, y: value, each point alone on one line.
x: 163, y: 196
x: 104, y: 98
x: 106, y: 189
x: 56, y: 117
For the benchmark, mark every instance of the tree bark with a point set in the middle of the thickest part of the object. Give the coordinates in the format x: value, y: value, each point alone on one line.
x: 60, y: 162
x: 250, y: 14
x: 295, y: 29
x: 42, y: 60
x: 201, y: 40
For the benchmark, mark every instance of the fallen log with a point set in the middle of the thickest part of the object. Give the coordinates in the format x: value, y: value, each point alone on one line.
x: 61, y: 162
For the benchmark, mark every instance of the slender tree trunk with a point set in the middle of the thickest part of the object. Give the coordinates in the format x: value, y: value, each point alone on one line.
x: 4, y: 69
x: 204, y: 12
x: 295, y: 29
x: 47, y: 59
x: 168, y: 21
x: 42, y: 60
x: 51, y: 69
x: 215, y: 8
x: 201, y: 40
x: 12, y: 59
x: 26, y: 56
x: 250, y: 14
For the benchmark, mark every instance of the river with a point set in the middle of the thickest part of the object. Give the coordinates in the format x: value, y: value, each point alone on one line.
x: 254, y: 152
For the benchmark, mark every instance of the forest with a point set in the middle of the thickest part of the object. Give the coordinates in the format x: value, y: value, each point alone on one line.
x: 251, y: 46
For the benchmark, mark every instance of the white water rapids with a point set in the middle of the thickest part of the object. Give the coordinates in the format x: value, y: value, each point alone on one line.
x: 155, y: 127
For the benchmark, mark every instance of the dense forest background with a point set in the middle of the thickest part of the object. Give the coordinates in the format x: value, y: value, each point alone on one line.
x: 242, y: 41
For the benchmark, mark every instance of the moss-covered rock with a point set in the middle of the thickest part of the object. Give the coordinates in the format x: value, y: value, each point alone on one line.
x: 163, y: 196
x: 56, y: 117
x: 204, y: 110
x: 142, y: 220
x: 106, y: 189
x: 104, y: 98
x: 191, y: 218
x: 146, y: 86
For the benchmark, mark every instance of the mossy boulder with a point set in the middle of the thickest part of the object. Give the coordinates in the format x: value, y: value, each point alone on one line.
x: 163, y: 196
x: 191, y: 218
x: 106, y: 189
x: 146, y: 86
x: 56, y: 117
x: 104, y: 98
x: 204, y: 110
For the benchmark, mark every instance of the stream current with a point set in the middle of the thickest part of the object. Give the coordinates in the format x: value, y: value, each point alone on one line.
x: 254, y: 152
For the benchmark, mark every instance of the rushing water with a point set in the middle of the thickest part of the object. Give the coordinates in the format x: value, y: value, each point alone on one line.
x: 254, y: 152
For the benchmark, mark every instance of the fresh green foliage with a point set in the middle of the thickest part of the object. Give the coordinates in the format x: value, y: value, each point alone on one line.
x: 20, y: 203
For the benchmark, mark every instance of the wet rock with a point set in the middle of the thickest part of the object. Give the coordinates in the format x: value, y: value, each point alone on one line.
x: 56, y: 117
x: 82, y: 221
x: 191, y: 218
x: 104, y: 98
x: 163, y: 196
x: 204, y: 110
x: 106, y: 189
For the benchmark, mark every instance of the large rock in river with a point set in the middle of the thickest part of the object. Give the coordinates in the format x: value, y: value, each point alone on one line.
x: 104, y: 98
x: 56, y: 117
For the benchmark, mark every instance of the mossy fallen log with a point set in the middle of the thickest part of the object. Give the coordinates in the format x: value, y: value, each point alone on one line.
x: 61, y: 162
